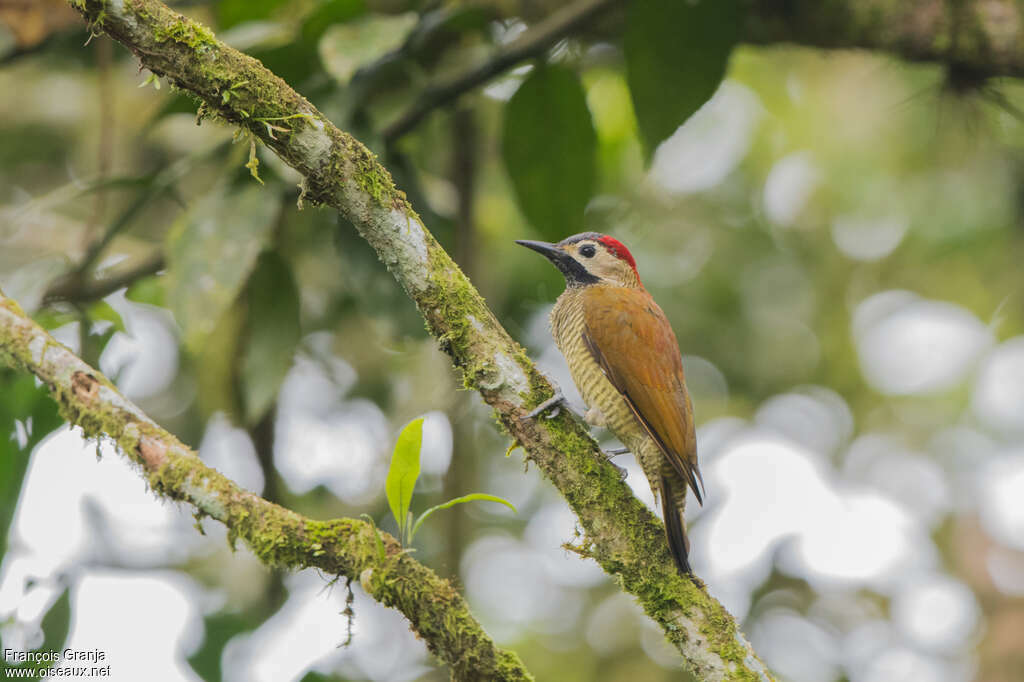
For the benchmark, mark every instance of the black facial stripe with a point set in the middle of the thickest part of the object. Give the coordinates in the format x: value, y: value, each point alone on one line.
x: 575, y: 273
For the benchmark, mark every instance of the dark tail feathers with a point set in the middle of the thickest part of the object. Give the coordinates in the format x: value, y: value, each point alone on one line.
x: 675, y: 525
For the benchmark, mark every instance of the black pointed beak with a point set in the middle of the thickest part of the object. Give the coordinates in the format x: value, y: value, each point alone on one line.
x: 550, y: 251
x: 575, y: 274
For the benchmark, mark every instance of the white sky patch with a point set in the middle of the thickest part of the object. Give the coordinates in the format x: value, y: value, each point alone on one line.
x: 998, y: 396
x: 1000, y: 494
x: 146, y: 624
x: 789, y: 186
x: 772, y: 493
x: 815, y: 417
x: 306, y: 634
x: 938, y: 613
x: 145, y: 359
x: 708, y: 146
x: 909, y: 345
x: 798, y: 648
x: 230, y: 450
x: 899, y: 663
x: 436, y: 450
x: 69, y: 495
x: 868, y: 238
x: 511, y: 592
x: 323, y: 439
x: 549, y: 527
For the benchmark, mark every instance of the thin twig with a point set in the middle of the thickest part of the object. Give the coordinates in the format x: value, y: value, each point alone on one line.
x: 530, y: 44
x: 72, y: 289
x: 279, y: 537
x: 627, y: 539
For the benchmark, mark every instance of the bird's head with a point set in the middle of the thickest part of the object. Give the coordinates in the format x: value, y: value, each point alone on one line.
x: 589, y: 258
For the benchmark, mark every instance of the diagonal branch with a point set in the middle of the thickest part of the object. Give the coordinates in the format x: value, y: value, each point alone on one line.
x: 531, y: 43
x: 985, y: 37
x: 621, y: 534
x: 73, y: 289
x: 279, y: 537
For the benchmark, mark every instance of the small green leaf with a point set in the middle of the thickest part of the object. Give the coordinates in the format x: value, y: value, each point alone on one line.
x: 676, y: 56
x: 100, y: 311
x: 52, y: 318
x: 27, y: 415
x: 147, y: 290
x: 347, y: 47
x: 472, y: 497
x: 404, y: 470
x: 55, y: 626
x: 273, y: 333
x: 231, y: 12
x: 381, y: 552
x: 550, y: 148
x: 328, y: 13
x: 211, y: 253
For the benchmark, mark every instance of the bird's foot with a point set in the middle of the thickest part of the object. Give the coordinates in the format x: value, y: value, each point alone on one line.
x: 553, y: 405
x: 623, y: 472
x: 613, y: 452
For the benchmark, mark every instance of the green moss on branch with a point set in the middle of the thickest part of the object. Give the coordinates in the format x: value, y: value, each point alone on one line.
x: 339, y: 171
x: 277, y: 536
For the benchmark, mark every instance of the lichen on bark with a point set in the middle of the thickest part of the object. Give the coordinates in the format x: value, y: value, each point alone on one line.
x: 277, y: 536
x: 626, y: 538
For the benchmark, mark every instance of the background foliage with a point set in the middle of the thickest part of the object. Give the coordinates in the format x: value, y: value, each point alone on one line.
x: 835, y: 237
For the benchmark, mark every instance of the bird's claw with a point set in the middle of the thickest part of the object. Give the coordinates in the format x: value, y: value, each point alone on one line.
x: 613, y: 452
x: 623, y: 472
x: 556, y: 401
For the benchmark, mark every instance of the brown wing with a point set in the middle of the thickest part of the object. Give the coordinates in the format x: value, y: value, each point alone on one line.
x: 633, y: 342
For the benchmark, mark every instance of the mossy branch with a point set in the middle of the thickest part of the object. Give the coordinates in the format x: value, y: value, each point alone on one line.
x: 981, y: 37
x: 277, y: 536
x: 624, y: 537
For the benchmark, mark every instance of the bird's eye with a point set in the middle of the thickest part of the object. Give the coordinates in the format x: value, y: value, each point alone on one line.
x: 587, y: 251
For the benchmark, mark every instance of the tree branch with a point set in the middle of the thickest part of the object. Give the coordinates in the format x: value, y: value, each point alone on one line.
x: 73, y: 289
x: 531, y: 43
x: 621, y: 533
x: 279, y: 537
x: 985, y: 36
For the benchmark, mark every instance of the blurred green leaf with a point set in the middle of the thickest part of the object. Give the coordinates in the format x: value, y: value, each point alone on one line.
x: 55, y: 626
x: 148, y: 290
x: 676, y: 56
x: 549, y: 145
x: 211, y: 253
x: 472, y: 497
x: 20, y: 399
x: 51, y: 318
x: 231, y: 12
x: 219, y: 629
x: 404, y: 470
x: 327, y: 14
x: 273, y: 333
x: 93, y: 344
x: 100, y: 311
x: 438, y: 28
x: 217, y: 365
x: 345, y: 48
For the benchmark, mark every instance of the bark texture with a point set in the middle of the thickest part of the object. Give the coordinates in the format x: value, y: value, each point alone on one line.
x: 984, y: 37
x: 279, y: 537
x: 622, y: 535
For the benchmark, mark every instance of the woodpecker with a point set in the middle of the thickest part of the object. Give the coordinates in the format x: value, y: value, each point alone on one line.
x: 624, y: 359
